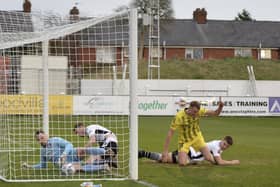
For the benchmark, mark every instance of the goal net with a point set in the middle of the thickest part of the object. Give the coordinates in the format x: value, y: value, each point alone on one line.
x: 57, y: 72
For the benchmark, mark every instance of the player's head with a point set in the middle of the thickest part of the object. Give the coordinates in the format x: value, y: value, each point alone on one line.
x: 226, y: 142
x: 41, y: 137
x: 193, y: 108
x: 79, y: 129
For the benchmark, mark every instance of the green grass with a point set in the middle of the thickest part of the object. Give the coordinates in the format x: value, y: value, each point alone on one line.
x: 256, y: 146
x: 59, y: 126
x: 228, y: 69
x: 256, y: 141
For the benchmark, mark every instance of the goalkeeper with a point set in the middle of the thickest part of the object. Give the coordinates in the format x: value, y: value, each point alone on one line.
x: 59, y: 151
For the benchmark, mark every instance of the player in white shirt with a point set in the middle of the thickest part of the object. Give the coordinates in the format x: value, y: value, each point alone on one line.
x: 216, y: 148
x: 102, y: 136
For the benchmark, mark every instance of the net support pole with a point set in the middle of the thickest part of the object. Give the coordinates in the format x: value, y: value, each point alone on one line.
x: 133, y: 74
x: 45, y: 51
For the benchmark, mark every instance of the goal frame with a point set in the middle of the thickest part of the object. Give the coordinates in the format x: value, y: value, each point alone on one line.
x: 133, y: 116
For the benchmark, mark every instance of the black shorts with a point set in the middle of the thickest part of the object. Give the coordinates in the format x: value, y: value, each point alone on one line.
x: 113, y: 146
x: 175, y: 156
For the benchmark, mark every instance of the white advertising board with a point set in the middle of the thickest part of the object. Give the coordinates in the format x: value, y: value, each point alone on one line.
x: 100, y: 105
x: 157, y: 105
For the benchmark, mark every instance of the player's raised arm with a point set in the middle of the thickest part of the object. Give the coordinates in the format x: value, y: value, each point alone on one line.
x: 218, y: 110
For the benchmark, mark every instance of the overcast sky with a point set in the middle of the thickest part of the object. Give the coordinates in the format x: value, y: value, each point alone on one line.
x: 217, y: 9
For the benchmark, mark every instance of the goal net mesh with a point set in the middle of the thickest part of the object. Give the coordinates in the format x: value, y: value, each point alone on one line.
x: 86, y: 82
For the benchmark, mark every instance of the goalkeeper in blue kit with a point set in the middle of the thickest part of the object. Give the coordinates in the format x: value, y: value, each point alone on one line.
x: 60, y: 152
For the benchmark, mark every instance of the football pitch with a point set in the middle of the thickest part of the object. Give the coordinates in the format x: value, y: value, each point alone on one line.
x: 256, y: 145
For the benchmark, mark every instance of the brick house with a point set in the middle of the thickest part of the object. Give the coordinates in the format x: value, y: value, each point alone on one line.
x: 199, y: 38
x: 9, y: 64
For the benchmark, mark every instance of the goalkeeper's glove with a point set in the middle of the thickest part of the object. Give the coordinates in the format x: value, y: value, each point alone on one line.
x: 24, y: 165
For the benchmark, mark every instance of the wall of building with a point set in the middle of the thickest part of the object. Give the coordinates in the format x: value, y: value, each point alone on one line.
x: 210, y: 53
x: 178, y: 53
x: 120, y: 56
x: 275, y: 54
x: 255, y: 53
x: 217, y: 53
x: 86, y: 55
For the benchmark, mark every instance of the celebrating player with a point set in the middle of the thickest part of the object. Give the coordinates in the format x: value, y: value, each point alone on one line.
x: 187, y: 123
x: 216, y: 148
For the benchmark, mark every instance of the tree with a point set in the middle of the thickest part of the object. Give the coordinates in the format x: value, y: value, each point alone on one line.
x: 121, y: 8
x: 165, y: 7
x: 151, y: 7
x: 244, y: 15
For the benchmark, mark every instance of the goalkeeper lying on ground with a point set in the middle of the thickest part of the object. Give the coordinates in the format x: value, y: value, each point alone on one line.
x: 61, y: 152
x: 216, y: 148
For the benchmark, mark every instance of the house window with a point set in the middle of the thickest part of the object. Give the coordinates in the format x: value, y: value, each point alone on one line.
x: 265, y: 54
x: 198, y: 53
x: 195, y: 53
x: 156, y: 53
x: 189, y: 54
x: 125, y: 52
x: 239, y: 52
x: 105, y: 55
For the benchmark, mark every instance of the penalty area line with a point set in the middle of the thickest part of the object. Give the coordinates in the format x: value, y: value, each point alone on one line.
x: 146, y: 183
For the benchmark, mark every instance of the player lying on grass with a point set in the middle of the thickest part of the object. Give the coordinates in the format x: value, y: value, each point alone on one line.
x: 216, y: 148
x: 105, y: 138
x: 60, y: 152
x: 186, y: 121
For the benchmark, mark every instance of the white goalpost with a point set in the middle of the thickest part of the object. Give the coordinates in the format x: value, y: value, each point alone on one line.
x: 56, y: 72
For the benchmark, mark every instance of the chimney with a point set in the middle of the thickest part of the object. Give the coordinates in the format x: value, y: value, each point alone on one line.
x: 200, y: 16
x: 74, y: 13
x: 26, y: 6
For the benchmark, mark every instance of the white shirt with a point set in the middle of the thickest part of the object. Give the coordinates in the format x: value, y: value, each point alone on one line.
x: 102, y: 134
x: 214, y: 147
